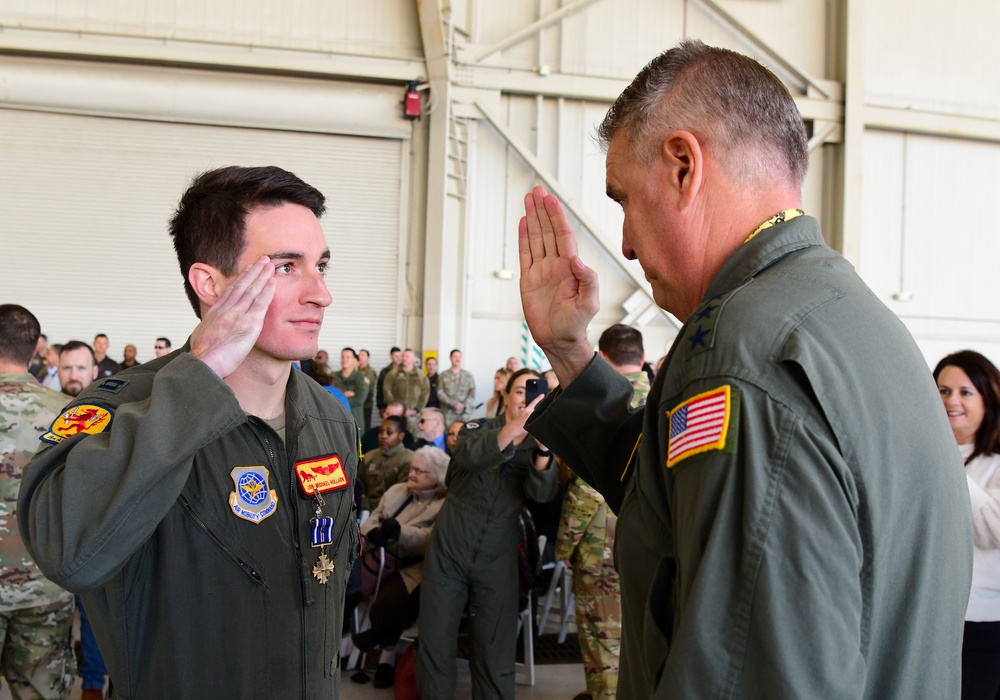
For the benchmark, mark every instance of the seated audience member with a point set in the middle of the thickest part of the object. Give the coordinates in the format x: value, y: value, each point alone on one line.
x: 451, y: 437
x: 387, y: 465
x: 401, y: 523
x: 369, y: 440
x: 494, y: 406
x: 430, y: 429
x: 472, y: 556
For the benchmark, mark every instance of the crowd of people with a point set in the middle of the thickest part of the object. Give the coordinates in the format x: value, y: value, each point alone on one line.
x: 782, y: 512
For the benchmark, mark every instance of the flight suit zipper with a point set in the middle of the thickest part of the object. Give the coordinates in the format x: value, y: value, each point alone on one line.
x: 222, y: 545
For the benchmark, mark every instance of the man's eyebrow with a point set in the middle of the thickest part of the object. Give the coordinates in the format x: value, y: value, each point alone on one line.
x: 295, y: 255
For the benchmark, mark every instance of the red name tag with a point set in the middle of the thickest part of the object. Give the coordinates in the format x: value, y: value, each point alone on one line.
x: 321, y: 475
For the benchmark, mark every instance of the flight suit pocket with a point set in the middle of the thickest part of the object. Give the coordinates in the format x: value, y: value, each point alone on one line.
x: 660, y: 606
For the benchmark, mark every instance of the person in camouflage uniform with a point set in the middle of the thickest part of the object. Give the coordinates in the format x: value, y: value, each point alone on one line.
x: 35, y: 615
x: 387, y: 465
x: 456, y: 391
x: 355, y: 385
x: 586, y: 539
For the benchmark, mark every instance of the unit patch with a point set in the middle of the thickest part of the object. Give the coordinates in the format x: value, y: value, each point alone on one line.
x: 321, y: 475
x: 253, y: 499
x: 85, y: 418
x: 472, y: 425
x: 701, y: 424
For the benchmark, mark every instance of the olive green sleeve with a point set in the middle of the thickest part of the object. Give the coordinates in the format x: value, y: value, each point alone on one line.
x: 87, y: 503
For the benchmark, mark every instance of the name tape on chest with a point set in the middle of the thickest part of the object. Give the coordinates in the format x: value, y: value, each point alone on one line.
x: 321, y: 475
x: 701, y: 424
x: 78, y: 420
x: 254, y: 499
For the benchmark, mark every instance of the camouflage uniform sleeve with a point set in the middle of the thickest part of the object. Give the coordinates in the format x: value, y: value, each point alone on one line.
x: 578, y: 510
x: 88, y: 502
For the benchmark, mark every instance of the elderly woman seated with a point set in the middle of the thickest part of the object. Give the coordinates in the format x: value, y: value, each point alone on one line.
x: 401, y: 524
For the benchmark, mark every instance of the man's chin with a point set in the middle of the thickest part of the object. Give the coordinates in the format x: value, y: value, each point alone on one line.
x: 73, y: 389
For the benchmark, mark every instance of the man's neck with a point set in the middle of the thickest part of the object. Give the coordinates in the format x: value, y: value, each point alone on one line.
x: 456, y: 368
x: 260, y: 386
x: 100, y: 356
x: 7, y: 367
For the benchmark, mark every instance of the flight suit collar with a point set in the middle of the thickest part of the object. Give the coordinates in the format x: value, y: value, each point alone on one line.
x: 762, y: 251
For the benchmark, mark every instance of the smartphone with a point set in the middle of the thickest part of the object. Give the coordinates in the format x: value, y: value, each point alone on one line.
x: 533, y: 388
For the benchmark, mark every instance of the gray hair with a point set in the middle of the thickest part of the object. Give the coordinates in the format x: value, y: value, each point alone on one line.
x: 437, y: 462
x: 729, y: 101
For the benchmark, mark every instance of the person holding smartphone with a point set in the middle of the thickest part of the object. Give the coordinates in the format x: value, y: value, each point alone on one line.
x: 472, y: 556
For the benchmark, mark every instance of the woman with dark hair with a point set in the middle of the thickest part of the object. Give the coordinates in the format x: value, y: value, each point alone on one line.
x: 472, y: 556
x: 970, y: 389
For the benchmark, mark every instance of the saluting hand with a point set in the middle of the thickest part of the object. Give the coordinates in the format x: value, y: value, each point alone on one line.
x: 559, y: 294
x: 230, y: 328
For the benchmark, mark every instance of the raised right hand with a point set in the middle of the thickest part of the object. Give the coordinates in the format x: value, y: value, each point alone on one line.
x: 559, y: 294
x: 230, y: 328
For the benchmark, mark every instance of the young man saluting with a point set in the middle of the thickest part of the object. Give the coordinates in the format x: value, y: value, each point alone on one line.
x: 199, y: 502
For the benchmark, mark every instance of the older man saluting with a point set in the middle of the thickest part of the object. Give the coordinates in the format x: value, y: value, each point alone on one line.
x: 793, y: 520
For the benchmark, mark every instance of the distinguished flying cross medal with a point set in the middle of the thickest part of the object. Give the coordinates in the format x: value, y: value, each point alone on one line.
x: 322, y: 535
x: 316, y: 477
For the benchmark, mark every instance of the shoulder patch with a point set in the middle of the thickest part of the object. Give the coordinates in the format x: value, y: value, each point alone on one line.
x: 321, y: 475
x: 253, y: 499
x: 84, y: 418
x: 473, y: 425
x: 112, y: 385
x: 703, y: 423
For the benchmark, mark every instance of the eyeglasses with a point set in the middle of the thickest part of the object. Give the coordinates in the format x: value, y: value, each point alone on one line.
x: 160, y: 347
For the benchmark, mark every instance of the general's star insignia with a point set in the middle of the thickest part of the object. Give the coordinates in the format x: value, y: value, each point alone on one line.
x: 323, y: 568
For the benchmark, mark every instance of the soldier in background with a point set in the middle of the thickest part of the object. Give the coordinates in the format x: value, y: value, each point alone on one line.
x: 36, y: 616
x: 456, y: 390
x: 409, y: 385
x: 364, y: 366
x: 586, y: 539
x: 395, y: 357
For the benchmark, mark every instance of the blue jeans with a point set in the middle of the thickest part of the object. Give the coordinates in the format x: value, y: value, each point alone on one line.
x: 92, y: 669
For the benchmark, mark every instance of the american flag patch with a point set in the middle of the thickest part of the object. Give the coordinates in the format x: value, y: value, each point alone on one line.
x: 699, y: 424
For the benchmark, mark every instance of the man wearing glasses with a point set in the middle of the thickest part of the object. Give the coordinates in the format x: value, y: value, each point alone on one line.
x: 162, y: 346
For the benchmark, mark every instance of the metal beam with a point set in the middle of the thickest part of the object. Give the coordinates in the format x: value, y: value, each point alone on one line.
x: 532, y: 29
x: 915, y: 121
x: 787, y: 65
x: 554, y: 186
x: 208, y: 55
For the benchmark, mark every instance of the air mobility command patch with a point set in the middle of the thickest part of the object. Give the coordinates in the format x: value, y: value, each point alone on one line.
x: 703, y: 423
x: 321, y: 475
x: 85, y: 418
x: 253, y: 499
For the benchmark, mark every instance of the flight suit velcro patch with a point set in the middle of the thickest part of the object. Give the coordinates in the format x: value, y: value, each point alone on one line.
x: 84, y: 418
x: 703, y: 423
x: 700, y: 333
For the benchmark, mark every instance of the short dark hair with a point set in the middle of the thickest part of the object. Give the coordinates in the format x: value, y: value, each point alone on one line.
x: 19, y: 332
x: 210, y: 221
x: 394, y: 349
x: 725, y: 99
x: 986, y: 378
x: 398, y: 420
x: 453, y: 352
x: 78, y: 345
x: 622, y: 345
x: 100, y: 335
x: 351, y: 350
x: 166, y: 341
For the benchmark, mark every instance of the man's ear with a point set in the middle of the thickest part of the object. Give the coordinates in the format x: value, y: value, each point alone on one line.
x: 96, y: 368
x: 685, y: 162
x: 207, y: 281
